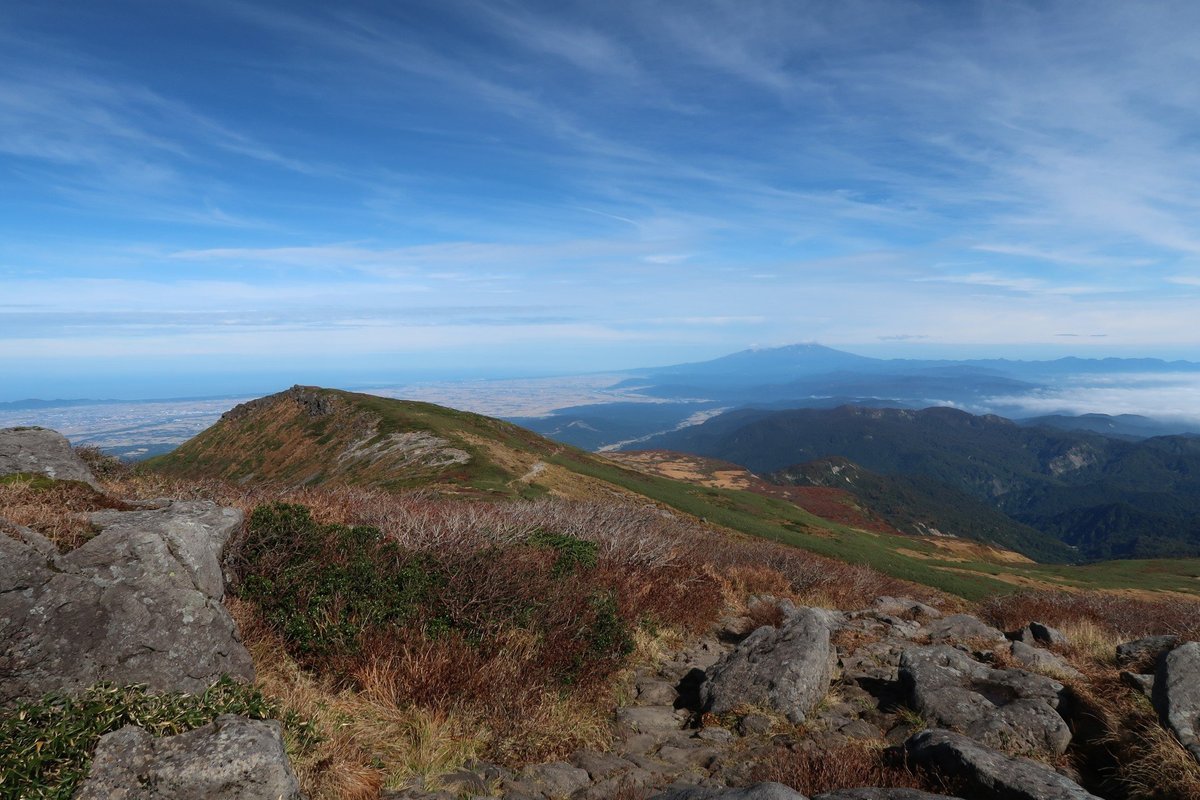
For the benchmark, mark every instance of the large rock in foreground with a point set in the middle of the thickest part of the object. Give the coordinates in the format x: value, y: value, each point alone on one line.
x: 1176, y: 694
x: 138, y: 604
x: 990, y: 774
x: 233, y: 758
x: 1004, y: 708
x: 788, y: 668
x: 41, y: 451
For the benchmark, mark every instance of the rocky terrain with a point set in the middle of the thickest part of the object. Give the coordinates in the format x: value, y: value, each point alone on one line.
x: 921, y: 702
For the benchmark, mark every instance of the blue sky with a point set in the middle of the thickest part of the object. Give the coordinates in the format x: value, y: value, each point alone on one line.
x: 192, y: 191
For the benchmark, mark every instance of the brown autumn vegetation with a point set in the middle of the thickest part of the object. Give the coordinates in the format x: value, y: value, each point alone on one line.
x: 56, y: 509
x: 477, y: 670
x: 1124, y: 747
x: 505, y: 652
x: 817, y: 770
x: 1121, y: 616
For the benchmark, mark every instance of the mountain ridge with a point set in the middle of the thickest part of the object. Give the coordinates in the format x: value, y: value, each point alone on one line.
x: 1145, y: 493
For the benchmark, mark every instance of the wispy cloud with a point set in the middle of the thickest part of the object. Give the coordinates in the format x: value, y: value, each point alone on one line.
x: 705, y: 174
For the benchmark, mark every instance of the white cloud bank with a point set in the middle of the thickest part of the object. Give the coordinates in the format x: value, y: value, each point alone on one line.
x: 1163, y: 395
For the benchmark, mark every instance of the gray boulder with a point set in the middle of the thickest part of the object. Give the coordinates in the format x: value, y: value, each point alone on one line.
x: 232, y: 758
x: 788, y: 668
x: 989, y: 774
x: 1142, y: 683
x: 962, y: 627
x: 138, y: 603
x: 868, y: 793
x: 1036, y: 633
x: 760, y: 791
x: 556, y: 779
x: 1176, y: 694
x: 1009, y: 709
x: 903, y: 606
x: 41, y: 451
x: 1146, y: 650
x: 1044, y: 661
x: 1044, y: 634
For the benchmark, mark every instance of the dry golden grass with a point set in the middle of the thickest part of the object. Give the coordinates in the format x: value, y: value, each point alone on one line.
x: 1156, y: 766
x: 57, y: 510
x: 369, y: 740
x: 1120, y: 616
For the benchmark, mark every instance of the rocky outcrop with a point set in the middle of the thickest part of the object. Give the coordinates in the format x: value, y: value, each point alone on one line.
x: 1145, y: 651
x: 962, y: 628
x: 40, y: 451
x: 233, y: 758
x: 1176, y: 694
x: 905, y: 607
x: 140, y: 603
x: 989, y: 774
x: 881, y: 794
x: 787, y: 669
x: 1042, y: 660
x: 1004, y: 708
x: 761, y: 791
x: 1037, y: 633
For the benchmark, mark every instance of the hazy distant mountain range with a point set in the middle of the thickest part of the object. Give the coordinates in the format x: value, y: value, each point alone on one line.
x: 813, y: 376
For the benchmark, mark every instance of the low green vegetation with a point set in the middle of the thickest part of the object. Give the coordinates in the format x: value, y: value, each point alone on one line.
x: 35, y: 481
x: 326, y: 587
x: 573, y: 553
x: 46, y: 746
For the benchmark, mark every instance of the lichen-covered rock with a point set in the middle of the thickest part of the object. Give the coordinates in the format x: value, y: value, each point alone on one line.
x: 41, y: 451
x: 1008, y: 709
x: 138, y: 603
x: 788, y: 668
x: 1176, y: 694
x: 1142, y: 683
x: 869, y: 793
x: 904, y: 607
x: 1146, y: 650
x: 556, y: 779
x: 962, y: 628
x: 232, y: 758
x: 990, y: 775
x: 1044, y: 634
x: 1041, y: 660
x: 760, y: 791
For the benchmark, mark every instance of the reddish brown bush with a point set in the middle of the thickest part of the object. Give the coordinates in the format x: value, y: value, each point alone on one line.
x: 1124, y: 616
x: 859, y: 763
x: 765, y: 614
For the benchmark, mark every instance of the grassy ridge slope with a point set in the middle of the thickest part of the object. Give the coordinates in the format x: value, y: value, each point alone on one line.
x: 313, y: 436
x: 308, y: 436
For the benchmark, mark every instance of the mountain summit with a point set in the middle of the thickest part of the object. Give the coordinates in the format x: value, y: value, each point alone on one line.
x: 308, y: 435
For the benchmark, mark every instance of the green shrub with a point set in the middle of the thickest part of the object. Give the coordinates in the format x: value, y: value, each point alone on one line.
x: 46, y: 746
x: 326, y: 588
x: 608, y: 635
x: 573, y: 553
